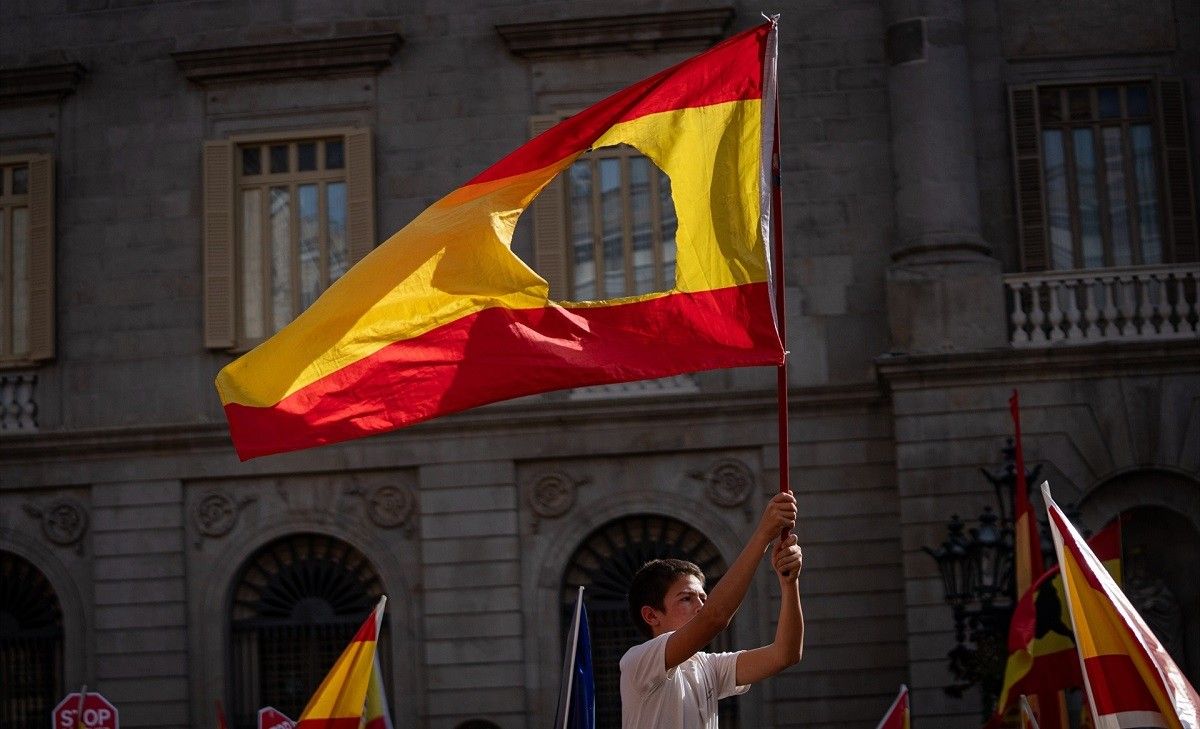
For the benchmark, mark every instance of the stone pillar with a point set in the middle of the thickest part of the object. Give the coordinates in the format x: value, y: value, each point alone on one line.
x: 944, y: 287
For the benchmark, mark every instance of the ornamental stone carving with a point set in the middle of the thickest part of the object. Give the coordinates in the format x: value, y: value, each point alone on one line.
x: 728, y: 482
x: 388, y: 506
x: 63, y: 522
x: 552, y: 495
x: 216, y: 514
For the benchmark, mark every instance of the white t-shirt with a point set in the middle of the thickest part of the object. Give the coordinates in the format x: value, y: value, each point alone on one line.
x: 684, y: 697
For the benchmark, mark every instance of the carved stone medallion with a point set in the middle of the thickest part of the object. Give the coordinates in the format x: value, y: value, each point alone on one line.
x: 552, y: 495
x: 728, y: 482
x: 64, y: 522
x: 389, y: 506
x: 215, y: 514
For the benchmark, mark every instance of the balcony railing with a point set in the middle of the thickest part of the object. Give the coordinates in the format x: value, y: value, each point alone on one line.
x: 18, y: 406
x: 1142, y: 303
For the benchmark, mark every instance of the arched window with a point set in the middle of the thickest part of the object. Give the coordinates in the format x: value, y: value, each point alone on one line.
x: 31, y: 645
x: 1160, y: 550
x: 297, y: 603
x: 605, y: 564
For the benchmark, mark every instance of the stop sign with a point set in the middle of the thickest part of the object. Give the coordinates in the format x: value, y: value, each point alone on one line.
x: 98, y: 713
x: 270, y: 718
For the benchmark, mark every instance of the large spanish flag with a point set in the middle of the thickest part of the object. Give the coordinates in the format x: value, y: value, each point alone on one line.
x: 340, y: 700
x: 1131, y: 679
x: 443, y: 316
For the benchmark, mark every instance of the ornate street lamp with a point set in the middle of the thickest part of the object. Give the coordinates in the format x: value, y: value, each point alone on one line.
x: 980, y: 587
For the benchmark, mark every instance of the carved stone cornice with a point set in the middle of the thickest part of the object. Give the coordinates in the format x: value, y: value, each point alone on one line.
x: 297, y: 59
x: 683, y: 30
x: 29, y: 84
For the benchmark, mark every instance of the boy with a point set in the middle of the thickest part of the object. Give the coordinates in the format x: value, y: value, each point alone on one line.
x: 668, y: 682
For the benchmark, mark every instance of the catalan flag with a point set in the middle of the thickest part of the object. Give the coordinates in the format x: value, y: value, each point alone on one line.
x: 340, y: 700
x: 376, y: 714
x: 897, y: 716
x: 1042, y: 660
x: 443, y: 316
x: 1131, y: 680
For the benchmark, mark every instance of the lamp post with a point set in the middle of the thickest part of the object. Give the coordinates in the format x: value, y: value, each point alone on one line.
x: 976, y: 566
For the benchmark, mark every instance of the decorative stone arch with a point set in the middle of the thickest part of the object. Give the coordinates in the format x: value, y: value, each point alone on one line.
x: 543, y: 583
x: 1160, y: 509
x: 78, y: 630
x: 209, y: 613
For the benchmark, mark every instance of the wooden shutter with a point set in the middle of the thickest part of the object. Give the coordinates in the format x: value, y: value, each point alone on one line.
x: 220, y: 327
x: 1179, y: 195
x: 41, y: 258
x: 550, y: 224
x: 1027, y: 177
x: 360, y: 194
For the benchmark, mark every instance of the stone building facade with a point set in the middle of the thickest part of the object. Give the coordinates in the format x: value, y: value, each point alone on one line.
x: 980, y: 195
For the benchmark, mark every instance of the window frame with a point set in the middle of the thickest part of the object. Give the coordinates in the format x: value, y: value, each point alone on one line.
x: 1175, y: 199
x: 39, y: 200
x: 223, y: 217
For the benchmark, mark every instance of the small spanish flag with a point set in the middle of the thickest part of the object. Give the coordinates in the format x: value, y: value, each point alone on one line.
x: 341, y: 698
x: 897, y: 716
x: 443, y: 316
x: 376, y: 714
x: 1131, y: 680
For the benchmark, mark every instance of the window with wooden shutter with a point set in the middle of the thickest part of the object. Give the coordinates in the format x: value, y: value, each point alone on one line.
x: 1180, y: 194
x: 27, y: 304
x: 218, y: 245
x: 285, y: 217
x: 1102, y: 174
x: 605, y: 228
x: 549, y: 224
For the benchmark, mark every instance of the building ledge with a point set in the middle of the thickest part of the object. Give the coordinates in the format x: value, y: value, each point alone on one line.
x: 1106, y: 359
x: 682, y: 30
x: 31, y: 84
x: 353, y: 55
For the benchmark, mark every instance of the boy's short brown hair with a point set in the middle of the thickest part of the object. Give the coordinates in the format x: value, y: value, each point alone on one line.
x: 650, y: 585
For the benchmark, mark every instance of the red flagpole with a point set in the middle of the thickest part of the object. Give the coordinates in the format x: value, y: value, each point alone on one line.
x: 781, y: 378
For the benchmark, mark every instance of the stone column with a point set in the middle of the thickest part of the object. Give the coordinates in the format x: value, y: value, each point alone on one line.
x: 944, y: 287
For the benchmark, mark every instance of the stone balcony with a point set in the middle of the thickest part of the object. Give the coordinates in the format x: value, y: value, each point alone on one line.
x: 1133, y: 304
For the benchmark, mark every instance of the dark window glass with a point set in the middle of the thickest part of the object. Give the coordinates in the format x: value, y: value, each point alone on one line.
x: 1050, y: 105
x: 279, y: 158
x: 307, y: 156
x: 334, y: 156
x: 1110, y: 103
x: 1080, y: 101
x: 251, y: 161
x: 20, y: 180
x: 1138, y: 100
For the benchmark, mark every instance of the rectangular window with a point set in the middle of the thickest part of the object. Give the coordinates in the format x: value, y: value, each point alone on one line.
x: 1100, y: 175
x: 14, y: 262
x: 292, y: 210
x: 620, y: 226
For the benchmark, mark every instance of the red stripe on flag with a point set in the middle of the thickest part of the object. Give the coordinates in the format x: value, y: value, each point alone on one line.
x: 498, y: 353
x: 366, y: 631
x: 729, y: 71
x: 1117, y: 686
x: 333, y: 722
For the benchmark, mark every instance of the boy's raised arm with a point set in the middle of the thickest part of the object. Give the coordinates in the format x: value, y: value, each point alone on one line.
x: 788, y: 646
x: 727, y: 596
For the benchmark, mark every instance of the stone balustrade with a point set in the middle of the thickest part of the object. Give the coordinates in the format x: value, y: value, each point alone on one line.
x: 1138, y: 303
x: 18, y: 406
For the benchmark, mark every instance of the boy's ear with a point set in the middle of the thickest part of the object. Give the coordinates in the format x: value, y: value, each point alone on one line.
x: 649, y: 616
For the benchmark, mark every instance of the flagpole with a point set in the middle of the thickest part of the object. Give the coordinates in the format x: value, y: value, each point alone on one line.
x: 781, y: 375
x: 79, y: 707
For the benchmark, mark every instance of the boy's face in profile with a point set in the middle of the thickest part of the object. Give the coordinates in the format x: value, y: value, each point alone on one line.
x: 683, y: 600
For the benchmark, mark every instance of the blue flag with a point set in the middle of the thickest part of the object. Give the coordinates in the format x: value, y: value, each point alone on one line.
x: 577, y: 690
